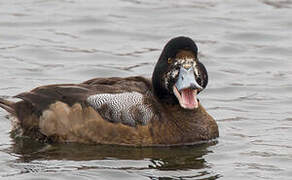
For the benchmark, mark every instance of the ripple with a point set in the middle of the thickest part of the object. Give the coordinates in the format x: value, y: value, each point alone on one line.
x: 288, y: 119
x: 255, y: 37
x: 263, y: 154
x: 259, y: 142
x: 278, y: 4
x: 258, y: 166
x: 233, y: 119
x: 136, y: 53
x: 9, y: 47
x: 134, y: 66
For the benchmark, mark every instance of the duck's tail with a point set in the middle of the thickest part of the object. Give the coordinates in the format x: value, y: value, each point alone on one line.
x: 8, y: 106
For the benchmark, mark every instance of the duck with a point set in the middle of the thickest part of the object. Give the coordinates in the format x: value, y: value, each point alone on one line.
x: 136, y: 111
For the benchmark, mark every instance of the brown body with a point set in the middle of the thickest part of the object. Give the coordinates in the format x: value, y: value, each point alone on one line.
x: 61, y: 121
x: 62, y: 113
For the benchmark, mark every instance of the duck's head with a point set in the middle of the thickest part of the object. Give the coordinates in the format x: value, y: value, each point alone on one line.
x: 179, y: 75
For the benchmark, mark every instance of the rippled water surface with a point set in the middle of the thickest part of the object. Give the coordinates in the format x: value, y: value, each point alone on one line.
x: 246, y: 46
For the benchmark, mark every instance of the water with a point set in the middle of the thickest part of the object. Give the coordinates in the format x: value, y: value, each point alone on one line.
x: 245, y: 45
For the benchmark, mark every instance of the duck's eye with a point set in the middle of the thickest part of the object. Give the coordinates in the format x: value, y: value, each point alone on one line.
x: 169, y: 60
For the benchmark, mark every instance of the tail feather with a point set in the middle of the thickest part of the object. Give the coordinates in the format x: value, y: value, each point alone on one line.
x: 8, y: 106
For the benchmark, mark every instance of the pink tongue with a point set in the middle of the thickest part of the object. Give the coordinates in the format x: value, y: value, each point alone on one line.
x: 189, y: 98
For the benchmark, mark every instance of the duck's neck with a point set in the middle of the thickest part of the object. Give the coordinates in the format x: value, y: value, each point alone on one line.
x: 184, y: 126
x: 181, y: 116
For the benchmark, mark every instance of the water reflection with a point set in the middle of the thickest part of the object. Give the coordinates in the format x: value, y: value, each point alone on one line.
x: 161, y: 158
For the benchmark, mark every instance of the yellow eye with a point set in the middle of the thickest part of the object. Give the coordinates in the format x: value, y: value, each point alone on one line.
x: 169, y: 60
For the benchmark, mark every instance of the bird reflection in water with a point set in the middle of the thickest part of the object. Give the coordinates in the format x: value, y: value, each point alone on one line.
x: 162, y: 158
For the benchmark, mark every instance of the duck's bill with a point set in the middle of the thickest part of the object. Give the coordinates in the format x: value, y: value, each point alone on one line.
x: 187, y: 98
x: 186, y: 88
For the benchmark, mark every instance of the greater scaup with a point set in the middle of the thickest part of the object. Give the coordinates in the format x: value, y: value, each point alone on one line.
x: 125, y: 111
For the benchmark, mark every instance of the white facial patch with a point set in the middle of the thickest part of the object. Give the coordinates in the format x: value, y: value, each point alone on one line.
x: 174, y: 73
x: 127, y: 108
x: 196, y: 70
x: 170, y: 75
x: 186, y: 62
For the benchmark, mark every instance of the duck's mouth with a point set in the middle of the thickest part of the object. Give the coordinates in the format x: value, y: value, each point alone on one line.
x: 186, y: 88
x: 187, y: 98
